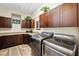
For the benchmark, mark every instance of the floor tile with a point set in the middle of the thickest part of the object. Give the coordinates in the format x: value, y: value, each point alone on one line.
x: 20, y: 50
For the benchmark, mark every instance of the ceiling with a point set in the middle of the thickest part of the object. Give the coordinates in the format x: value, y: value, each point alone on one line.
x: 28, y: 8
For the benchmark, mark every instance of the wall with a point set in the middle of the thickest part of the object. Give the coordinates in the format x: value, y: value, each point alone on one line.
x: 7, y: 13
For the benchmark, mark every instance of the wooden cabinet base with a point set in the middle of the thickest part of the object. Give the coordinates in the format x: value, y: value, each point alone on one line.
x: 13, y: 40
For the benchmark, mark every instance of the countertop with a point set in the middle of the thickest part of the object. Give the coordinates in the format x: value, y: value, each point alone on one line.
x: 14, y: 33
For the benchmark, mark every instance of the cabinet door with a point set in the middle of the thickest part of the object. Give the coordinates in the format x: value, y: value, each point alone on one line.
x: 33, y: 24
x: 26, y: 38
x: 69, y: 15
x: 15, y: 39
x: 7, y: 22
x: 28, y: 24
x: 8, y: 41
x: 25, y: 24
x: 19, y: 39
x: 11, y: 40
x: 2, y: 22
x: 55, y: 17
x: 45, y: 20
x: 4, y: 42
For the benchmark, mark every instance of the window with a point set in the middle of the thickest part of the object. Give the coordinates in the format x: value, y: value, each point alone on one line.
x: 16, y: 19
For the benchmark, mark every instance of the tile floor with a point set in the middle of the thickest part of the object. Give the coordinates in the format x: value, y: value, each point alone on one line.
x: 20, y: 50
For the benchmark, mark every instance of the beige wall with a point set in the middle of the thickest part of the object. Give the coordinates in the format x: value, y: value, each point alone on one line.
x: 7, y: 12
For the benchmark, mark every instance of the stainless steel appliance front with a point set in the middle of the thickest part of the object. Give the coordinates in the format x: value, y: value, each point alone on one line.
x: 59, y: 47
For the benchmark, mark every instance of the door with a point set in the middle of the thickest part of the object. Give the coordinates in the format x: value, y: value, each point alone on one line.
x: 69, y: 15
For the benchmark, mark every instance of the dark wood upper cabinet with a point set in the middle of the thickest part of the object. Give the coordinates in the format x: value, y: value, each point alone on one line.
x: 8, y: 23
x: 1, y: 22
x: 5, y: 22
x: 28, y: 24
x: 51, y: 18
x: 69, y: 15
x: 47, y: 19
x: 25, y: 24
x: 44, y: 20
x: 33, y: 24
x: 64, y: 15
